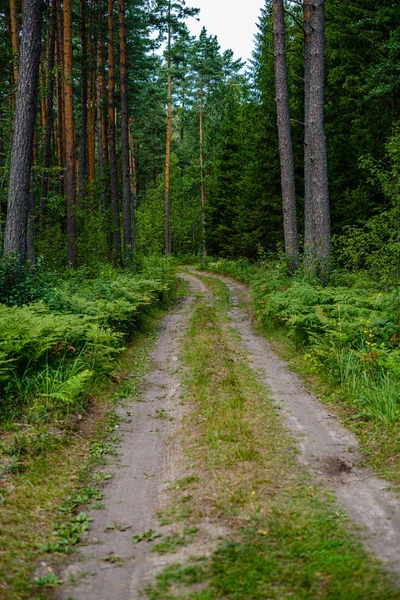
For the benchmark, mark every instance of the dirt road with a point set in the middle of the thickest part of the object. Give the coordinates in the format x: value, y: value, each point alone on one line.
x: 151, y: 459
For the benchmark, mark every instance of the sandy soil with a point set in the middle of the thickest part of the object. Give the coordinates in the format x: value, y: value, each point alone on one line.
x: 111, y: 566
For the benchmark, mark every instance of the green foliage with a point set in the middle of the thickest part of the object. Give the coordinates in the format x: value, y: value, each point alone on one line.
x: 68, y: 534
x: 49, y: 580
x: 51, y: 349
x: 21, y: 283
x: 375, y: 245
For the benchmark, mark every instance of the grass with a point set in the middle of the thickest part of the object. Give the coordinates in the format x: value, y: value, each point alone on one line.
x: 343, y: 341
x: 287, y: 538
x: 41, y: 500
x: 171, y: 542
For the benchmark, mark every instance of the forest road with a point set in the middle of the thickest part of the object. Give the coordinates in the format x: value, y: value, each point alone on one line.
x: 329, y: 450
x: 115, y: 565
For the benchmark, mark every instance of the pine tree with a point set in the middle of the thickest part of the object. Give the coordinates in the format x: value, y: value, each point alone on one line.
x: 69, y: 129
x: 285, y: 135
x: 24, y: 124
x: 316, y: 172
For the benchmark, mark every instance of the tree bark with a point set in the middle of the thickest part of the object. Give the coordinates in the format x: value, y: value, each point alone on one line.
x: 126, y: 185
x: 317, y: 142
x: 167, y: 232
x: 60, y: 95
x: 116, y: 236
x: 202, y: 186
x: 285, y: 135
x: 134, y: 188
x: 309, y: 237
x: 50, y: 60
x: 91, y: 131
x: 84, y: 108
x: 14, y: 39
x: 24, y: 127
x: 69, y: 176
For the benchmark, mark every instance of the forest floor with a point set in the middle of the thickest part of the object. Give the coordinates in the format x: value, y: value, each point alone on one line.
x: 231, y: 480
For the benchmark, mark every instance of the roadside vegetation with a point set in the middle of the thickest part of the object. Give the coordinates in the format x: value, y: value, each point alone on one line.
x: 285, y: 537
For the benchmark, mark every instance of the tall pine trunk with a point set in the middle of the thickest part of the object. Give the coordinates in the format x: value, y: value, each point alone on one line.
x: 116, y: 236
x: 202, y: 186
x: 84, y: 108
x: 69, y: 176
x: 14, y: 38
x: 133, y: 170
x: 49, y: 105
x: 167, y: 232
x: 285, y: 135
x: 126, y: 185
x: 309, y: 237
x: 60, y: 94
x: 24, y: 127
x: 317, y: 177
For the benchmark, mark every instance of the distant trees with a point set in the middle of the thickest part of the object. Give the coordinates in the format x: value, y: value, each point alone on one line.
x: 170, y: 16
x: 202, y: 155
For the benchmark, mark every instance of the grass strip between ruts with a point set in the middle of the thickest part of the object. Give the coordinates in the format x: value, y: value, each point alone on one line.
x: 287, y: 538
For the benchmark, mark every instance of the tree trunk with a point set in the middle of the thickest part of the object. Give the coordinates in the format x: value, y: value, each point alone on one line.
x: 60, y: 95
x: 168, y: 144
x: 50, y: 60
x: 69, y: 177
x: 317, y: 143
x: 91, y: 135
x: 14, y: 38
x: 133, y: 178
x: 30, y: 238
x: 285, y: 136
x: 126, y: 185
x: 203, y: 193
x: 84, y: 108
x: 24, y: 127
x: 116, y: 237
x: 101, y: 112
x: 309, y: 237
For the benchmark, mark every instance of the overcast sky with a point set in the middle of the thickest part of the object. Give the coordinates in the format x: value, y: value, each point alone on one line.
x: 232, y: 21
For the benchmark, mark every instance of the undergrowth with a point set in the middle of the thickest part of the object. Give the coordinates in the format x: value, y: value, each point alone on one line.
x: 50, y: 349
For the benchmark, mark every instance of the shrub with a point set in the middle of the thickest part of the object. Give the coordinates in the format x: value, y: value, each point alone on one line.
x: 51, y: 348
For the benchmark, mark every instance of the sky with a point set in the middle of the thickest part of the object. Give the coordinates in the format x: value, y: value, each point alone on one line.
x: 232, y: 21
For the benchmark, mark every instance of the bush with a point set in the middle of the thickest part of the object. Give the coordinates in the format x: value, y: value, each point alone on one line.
x: 51, y: 348
x: 21, y: 283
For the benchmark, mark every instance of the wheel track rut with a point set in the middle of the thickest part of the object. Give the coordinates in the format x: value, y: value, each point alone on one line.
x: 329, y: 450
